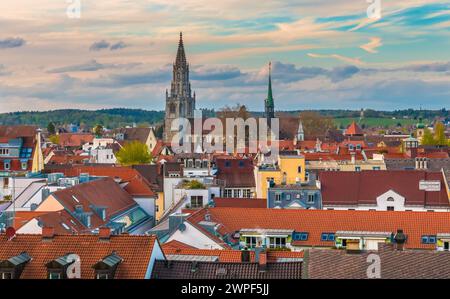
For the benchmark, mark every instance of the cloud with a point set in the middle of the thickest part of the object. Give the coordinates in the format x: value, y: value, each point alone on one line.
x: 438, y: 67
x: 372, y: 45
x: 97, y: 46
x: 12, y: 42
x: 4, y: 71
x: 338, y: 57
x: 340, y: 73
x: 211, y: 73
x: 118, y: 46
x: 91, y: 66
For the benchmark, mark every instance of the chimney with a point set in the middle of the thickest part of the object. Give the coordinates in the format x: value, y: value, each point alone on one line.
x: 262, y: 261
x: 245, y: 256
x: 48, y: 232
x: 400, y: 239
x: 104, y: 233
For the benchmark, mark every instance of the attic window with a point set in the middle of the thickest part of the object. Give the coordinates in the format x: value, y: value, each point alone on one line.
x: 327, y: 237
x: 12, y: 268
x: 57, y: 269
x: 428, y: 239
x: 106, y: 268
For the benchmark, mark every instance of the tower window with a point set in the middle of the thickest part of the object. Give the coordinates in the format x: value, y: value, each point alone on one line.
x: 172, y: 108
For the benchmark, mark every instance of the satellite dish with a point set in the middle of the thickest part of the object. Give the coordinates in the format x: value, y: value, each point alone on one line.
x: 10, y: 233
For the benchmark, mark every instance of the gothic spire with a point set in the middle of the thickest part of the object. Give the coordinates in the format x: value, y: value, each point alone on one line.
x: 269, y: 92
x: 181, y: 56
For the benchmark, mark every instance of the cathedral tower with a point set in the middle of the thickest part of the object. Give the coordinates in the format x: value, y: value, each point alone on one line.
x: 180, y: 102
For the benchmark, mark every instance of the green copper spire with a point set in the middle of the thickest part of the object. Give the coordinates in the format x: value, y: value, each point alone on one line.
x: 269, y: 93
x: 269, y: 108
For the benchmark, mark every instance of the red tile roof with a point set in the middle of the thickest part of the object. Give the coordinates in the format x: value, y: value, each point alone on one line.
x: 74, y: 139
x: 229, y: 255
x: 176, y: 244
x: 23, y: 217
x: 353, y: 129
x: 103, y: 192
x: 316, y: 222
x: 238, y: 174
x: 241, y: 202
x: 137, y: 184
x: 135, y: 251
x: 353, y: 188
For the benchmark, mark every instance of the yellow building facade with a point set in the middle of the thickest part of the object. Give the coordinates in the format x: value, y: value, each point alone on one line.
x: 289, y: 169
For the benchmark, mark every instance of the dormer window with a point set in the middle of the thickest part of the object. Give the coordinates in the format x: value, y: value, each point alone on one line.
x: 106, y: 267
x: 12, y: 268
x: 57, y: 269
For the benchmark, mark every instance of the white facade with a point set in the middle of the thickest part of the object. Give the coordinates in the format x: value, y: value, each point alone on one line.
x: 103, y: 156
x: 388, y: 201
x: 192, y: 236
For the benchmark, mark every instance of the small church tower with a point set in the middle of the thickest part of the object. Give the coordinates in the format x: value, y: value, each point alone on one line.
x: 179, y: 101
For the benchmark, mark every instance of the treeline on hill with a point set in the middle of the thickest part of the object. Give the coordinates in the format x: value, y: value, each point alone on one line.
x: 370, y: 113
x: 119, y: 117
x: 110, y: 118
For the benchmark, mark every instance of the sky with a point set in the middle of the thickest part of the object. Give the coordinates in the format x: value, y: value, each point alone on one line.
x: 326, y: 54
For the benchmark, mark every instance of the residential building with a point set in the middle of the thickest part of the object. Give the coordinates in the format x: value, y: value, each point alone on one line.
x: 237, y: 175
x: 288, y: 169
x: 50, y: 256
x: 299, y: 229
x: 142, y: 135
x: 20, y: 150
x: 294, y: 196
x: 384, y: 190
x: 91, y: 205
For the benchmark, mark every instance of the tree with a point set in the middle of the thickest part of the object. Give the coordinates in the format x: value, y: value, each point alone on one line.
x: 238, y: 111
x: 54, y: 139
x: 438, y: 138
x: 315, y: 124
x: 51, y: 129
x: 98, y: 130
x: 427, y: 138
x: 134, y: 153
x: 194, y: 184
x: 439, y: 134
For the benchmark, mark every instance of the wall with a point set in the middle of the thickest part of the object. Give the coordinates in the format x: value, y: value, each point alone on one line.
x: 192, y: 236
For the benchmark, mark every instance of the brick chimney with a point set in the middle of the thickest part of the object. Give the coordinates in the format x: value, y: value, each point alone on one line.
x: 48, y: 232
x: 104, y: 233
x: 262, y: 262
x: 245, y: 255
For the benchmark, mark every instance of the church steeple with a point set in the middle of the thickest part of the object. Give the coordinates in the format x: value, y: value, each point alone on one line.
x: 269, y: 103
x: 181, y: 55
x: 179, y: 101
